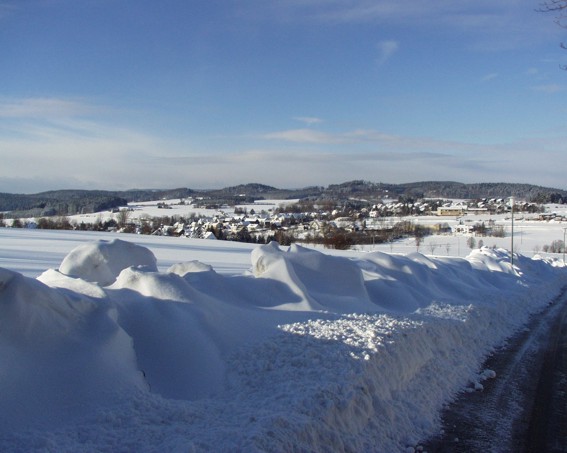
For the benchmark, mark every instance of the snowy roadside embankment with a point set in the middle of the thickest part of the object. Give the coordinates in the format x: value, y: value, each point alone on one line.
x: 308, y: 352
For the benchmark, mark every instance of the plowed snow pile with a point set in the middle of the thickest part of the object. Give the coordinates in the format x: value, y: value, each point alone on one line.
x: 307, y: 352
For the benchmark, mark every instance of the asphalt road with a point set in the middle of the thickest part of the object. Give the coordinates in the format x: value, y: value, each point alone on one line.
x: 524, y: 409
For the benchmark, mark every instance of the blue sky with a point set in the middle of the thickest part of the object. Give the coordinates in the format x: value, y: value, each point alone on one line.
x: 117, y: 94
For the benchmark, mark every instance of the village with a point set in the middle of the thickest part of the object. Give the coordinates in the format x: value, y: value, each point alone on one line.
x: 353, y: 222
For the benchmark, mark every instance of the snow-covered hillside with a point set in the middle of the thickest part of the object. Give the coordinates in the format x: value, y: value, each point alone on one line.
x: 111, y: 351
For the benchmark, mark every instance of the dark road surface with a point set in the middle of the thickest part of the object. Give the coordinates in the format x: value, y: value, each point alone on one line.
x: 524, y: 409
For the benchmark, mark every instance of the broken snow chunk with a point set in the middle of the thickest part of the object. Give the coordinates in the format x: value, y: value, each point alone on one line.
x: 488, y: 374
x: 187, y: 267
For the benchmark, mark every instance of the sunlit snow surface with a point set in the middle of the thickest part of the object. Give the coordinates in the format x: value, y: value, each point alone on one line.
x: 158, y: 344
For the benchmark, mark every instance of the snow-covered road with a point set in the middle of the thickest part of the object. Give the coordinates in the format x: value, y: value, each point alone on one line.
x: 523, y: 408
x: 547, y: 429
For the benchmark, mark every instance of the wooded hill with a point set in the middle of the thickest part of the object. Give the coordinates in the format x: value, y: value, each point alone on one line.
x: 68, y: 202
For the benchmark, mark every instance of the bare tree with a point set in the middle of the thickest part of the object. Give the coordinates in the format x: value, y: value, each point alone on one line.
x: 63, y: 223
x: 559, y: 8
x: 556, y: 6
x: 471, y: 242
x: 419, y: 233
x: 122, y: 217
x: 432, y: 246
x: 418, y: 242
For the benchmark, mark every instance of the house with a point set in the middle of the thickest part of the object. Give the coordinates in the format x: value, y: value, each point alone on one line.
x: 344, y: 222
x: 462, y: 229
x: 451, y: 211
x: 209, y: 235
x: 479, y: 210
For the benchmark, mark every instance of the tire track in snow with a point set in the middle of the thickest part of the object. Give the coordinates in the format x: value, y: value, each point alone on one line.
x: 547, y: 430
x: 498, y: 418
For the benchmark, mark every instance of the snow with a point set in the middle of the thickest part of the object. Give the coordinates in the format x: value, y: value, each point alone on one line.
x: 132, y: 343
x: 102, y: 262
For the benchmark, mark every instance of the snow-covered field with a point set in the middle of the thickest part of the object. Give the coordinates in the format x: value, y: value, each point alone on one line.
x: 115, y: 342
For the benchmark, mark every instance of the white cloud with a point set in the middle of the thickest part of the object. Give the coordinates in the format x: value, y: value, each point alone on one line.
x: 339, y: 11
x: 550, y: 88
x: 309, y: 120
x: 404, y: 159
x: 121, y: 159
x: 304, y: 136
x: 386, y: 49
x: 49, y: 144
x: 46, y: 108
x: 48, y: 139
x: 490, y: 25
x: 362, y: 137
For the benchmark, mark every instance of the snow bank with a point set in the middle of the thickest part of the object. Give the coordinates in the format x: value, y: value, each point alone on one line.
x: 63, y: 355
x: 101, y: 262
x: 308, y: 352
x: 320, y: 282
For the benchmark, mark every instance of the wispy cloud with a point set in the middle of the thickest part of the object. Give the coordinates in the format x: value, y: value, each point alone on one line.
x: 78, y: 149
x: 532, y: 71
x: 48, y: 157
x: 304, y: 136
x: 309, y: 120
x: 356, y: 10
x: 386, y: 49
x: 489, y: 77
x: 491, y: 26
x: 43, y: 108
x: 359, y: 136
x: 396, y: 159
x: 52, y: 139
x: 550, y: 88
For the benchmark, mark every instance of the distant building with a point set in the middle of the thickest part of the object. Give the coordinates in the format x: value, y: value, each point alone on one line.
x: 451, y: 211
x: 477, y: 210
x: 462, y: 229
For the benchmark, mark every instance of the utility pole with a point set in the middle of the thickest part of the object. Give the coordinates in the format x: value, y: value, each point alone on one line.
x: 564, y: 230
x: 512, y: 237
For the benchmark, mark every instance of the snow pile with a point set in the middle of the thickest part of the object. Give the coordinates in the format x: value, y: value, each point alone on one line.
x: 308, y: 352
x: 62, y: 355
x: 102, y: 262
